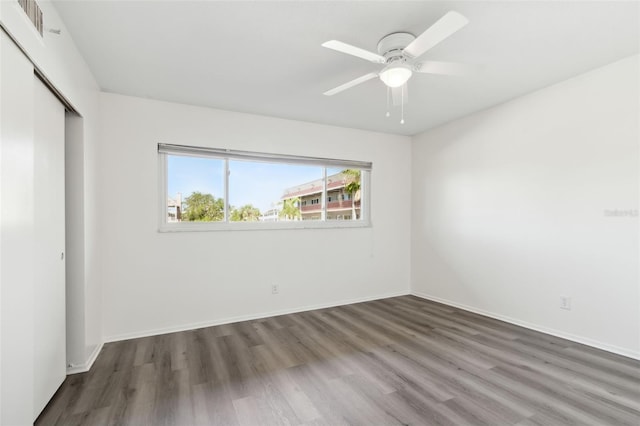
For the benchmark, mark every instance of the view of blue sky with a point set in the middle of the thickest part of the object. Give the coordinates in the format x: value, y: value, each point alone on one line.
x: 260, y: 184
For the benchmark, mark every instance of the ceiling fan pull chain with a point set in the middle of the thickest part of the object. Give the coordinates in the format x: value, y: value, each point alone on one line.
x: 402, y: 103
x: 388, y: 91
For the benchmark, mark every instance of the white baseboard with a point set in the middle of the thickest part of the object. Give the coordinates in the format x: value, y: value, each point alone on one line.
x: 229, y: 320
x: 557, y: 333
x: 83, y: 368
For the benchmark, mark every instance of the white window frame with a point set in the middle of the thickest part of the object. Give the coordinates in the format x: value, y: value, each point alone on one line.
x: 226, y: 154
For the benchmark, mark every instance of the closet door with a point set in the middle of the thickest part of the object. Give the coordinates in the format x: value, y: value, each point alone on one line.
x: 49, y: 309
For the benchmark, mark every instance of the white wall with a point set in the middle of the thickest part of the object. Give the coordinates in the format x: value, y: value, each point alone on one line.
x: 165, y: 281
x: 509, y: 209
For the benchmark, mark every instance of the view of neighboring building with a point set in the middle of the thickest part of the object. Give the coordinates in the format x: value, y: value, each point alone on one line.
x: 174, y: 208
x: 271, y: 215
x: 339, y: 201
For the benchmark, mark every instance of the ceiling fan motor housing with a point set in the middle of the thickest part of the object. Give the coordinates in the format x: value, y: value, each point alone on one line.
x: 392, y: 45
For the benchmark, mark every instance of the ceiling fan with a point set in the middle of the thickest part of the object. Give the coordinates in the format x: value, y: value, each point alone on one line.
x: 399, y: 53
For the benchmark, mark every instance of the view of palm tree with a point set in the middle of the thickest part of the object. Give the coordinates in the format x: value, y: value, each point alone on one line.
x: 290, y: 209
x: 352, y: 186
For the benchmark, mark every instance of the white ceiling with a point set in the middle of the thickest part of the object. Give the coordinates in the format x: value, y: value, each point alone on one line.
x: 265, y: 57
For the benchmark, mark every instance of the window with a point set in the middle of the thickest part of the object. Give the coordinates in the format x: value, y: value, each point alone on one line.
x: 208, y: 189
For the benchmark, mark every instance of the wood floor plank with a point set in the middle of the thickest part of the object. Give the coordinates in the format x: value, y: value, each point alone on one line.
x: 563, y: 372
x: 213, y: 406
x: 396, y: 361
x: 278, y: 377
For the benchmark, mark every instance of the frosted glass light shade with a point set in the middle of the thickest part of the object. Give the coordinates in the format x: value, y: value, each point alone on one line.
x: 395, y: 76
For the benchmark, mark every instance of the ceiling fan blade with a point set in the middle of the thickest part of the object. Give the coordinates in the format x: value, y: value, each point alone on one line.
x: 350, y: 84
x: 444, y: 68
x: 354, y: 51
x: 400, y: 95
x: 443, y: 28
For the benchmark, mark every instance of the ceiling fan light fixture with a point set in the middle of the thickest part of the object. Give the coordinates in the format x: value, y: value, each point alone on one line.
x: 396, y: 75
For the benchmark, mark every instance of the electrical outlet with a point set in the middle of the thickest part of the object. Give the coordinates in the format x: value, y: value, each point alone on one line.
x: 565, y: 303
x: 275, y: 289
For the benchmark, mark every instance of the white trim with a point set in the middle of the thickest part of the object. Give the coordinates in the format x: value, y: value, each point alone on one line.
x: 226, y: 209
x: 365, y: 197
x: 553, y: 332
x: 323, y: 213
x: 83, y: 368
x: 163, y: 191
x: 229, y: 320
x: 262, y: 226
x: 232, y: 154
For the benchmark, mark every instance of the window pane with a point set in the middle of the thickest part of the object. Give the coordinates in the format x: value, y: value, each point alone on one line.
x: 344, y: 194
x: 195, y: 188
x: 271, y: 192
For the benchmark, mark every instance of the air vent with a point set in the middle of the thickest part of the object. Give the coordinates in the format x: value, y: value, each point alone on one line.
x: 34, y: 13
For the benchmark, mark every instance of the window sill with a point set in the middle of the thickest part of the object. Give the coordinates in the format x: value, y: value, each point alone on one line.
x: 260, y: 226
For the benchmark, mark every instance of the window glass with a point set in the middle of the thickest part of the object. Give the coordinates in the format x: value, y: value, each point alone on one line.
x: 271, y: 192
x: 226, y: 186
x: 195, y: 187
x: 344, y: 194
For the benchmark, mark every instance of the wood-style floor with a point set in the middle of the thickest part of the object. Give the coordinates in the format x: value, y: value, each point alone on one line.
x: 402, y: 360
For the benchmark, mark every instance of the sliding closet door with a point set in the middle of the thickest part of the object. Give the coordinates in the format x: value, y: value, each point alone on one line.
x: 50, y: 338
